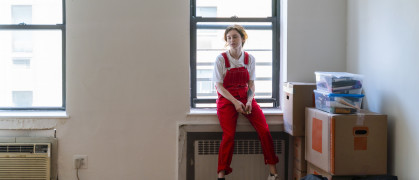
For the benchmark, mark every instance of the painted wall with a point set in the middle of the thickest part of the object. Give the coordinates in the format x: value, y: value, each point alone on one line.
x: 383, y: 45
x: 316, y: 38
x: 128, y: 80
x: 128, y: 85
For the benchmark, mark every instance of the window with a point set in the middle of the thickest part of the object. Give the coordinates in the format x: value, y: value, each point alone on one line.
x: 32, y: 55
x: 209, y: 18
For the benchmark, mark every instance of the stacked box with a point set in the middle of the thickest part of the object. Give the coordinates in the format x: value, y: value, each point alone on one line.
x: 339, y: 82
x: 300, y: 163
x: 298, y: 174
x: 312, y: 169
x: 297, y: 96
x: 338, y: 92
x: 338, y: 103
x: 347, y: 144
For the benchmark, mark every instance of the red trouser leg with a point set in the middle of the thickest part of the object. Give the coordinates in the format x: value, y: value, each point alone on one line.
x: 258, y: 121
x: 227, y: 115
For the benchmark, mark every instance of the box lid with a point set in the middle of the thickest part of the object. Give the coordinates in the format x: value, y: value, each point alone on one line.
x: 288, y: 87
x: 339, y: 95
x: 337, y: 74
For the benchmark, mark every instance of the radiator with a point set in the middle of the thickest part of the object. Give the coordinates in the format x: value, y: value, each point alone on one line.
x: 25, y: 161
x: 247, y: 163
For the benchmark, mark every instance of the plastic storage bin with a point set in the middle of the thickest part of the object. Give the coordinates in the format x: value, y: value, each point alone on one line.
x: 339, y: 82
x: 338, y: 103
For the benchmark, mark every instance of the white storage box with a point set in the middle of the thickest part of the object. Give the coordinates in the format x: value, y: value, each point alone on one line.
x: 339, y: 82
x: 338, y: 103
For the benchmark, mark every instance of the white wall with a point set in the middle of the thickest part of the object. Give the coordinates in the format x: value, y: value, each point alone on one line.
x: 128, y: 85
x: 383, y: 45
x: 316, y: 38
x: 128, y: 80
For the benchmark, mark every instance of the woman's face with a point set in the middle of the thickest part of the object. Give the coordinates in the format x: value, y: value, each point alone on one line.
x: 234, y: 39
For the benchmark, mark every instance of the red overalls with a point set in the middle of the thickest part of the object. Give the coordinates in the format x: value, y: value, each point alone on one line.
x: 236, y: 82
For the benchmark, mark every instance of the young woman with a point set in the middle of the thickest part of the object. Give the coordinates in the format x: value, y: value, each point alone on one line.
x: 234, y: 75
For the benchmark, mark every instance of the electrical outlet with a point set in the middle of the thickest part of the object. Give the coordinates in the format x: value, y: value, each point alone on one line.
x: 80, y: 161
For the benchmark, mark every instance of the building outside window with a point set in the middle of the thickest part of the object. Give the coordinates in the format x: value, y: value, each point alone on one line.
x: 22, y: 98
x: 209, y: 18
x: 24, y: 63
x: 32, y: 54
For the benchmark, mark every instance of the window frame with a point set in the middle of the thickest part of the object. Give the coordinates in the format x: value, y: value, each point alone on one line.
x: 61, y: 27
x: 274, y: 19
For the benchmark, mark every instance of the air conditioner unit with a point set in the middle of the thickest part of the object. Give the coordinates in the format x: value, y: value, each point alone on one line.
x: 25, y: 161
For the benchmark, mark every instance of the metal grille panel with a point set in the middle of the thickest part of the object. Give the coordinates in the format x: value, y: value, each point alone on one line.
x: 24, y: 168
x: 16, y: 148
x: 211, y: 147
x: 25, y: 161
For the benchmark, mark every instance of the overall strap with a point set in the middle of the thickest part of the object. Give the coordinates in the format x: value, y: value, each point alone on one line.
x: 246, y: 58
x: 227, y: 62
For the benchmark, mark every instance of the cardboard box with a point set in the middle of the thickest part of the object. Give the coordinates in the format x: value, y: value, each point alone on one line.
x: 297, y: 174
x: 297, y: 96
x: 347, y: 144
x: 300, y: 162
x: 311, y: 169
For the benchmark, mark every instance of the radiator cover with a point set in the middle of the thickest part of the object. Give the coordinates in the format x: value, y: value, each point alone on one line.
x: 247, y: 163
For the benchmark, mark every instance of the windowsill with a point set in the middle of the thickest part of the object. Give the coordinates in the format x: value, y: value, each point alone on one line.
x: 213, y: 111
x: 6, y: 114
x: 31, y: 120
x: 200, y: 120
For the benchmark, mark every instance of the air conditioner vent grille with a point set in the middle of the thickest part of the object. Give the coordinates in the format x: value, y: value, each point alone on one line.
x: 24, y: 148
x: 24, y: 168
x: 210, y: 147
x: 16, y: 148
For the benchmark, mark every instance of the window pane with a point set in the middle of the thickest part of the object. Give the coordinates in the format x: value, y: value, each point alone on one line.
x: 264, y: 70
x: 206, y: 105
x: 21, y: 63
x: 31, y: 11
x: 266, y: 104
x: 210, y: 43
x: 38, y: 71
x: 239, y: 8
x: 22, y: 41
x: 22, y: 98
x: 263, y: 57
x: 263, y: 88
x: 205, y: 66
x: 206, y: 11
x: 21, y: 14
x: 211, y: 35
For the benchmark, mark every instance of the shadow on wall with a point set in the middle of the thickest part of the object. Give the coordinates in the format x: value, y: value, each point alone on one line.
x: 27, y: 133
x: 391, y: 106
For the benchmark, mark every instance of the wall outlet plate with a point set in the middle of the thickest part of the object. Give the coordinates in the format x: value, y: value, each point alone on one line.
x: 82, y: 159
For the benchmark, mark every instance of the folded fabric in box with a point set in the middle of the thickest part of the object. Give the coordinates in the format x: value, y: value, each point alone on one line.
x: 339, y: 82
x: 338, y: 103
